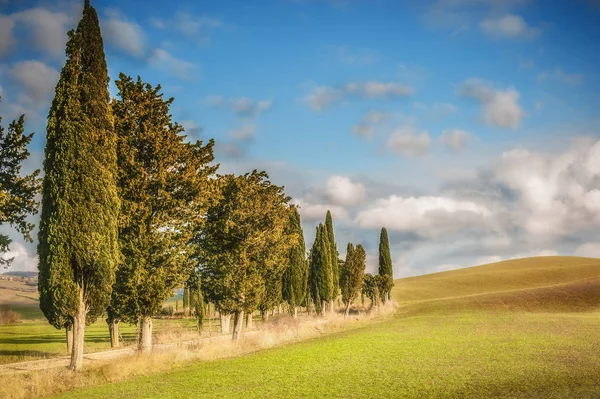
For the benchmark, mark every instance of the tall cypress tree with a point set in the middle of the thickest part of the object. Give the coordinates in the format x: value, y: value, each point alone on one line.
x: 321, y: 276
x: 78, y: 248
x: 296, y: 275
x: 333, y: 258
x: 385, y: 266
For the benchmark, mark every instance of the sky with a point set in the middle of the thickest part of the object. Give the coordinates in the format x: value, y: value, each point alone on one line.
x: 468, y: 128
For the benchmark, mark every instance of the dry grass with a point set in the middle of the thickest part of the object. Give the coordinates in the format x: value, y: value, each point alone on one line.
x: 9, y: 317
x: 279, y: 330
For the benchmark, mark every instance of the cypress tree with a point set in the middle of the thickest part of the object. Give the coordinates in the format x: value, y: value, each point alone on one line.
x: 385, y: 266
x: 164, y: 186
x: 352, y: 275
x: 333, y: 258
x: 321, y: 276
x: 78, y: 248
x: 296, y: 275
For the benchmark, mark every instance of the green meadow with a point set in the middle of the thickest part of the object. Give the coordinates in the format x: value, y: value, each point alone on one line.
x: 518, y: 329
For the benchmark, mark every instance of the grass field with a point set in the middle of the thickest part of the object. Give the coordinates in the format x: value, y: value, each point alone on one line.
x: 518, y: 329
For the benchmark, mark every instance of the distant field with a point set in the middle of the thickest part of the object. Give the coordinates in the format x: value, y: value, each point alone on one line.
x: 519, y: 329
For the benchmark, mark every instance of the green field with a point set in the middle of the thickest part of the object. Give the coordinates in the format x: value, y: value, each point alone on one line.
x: 524, y: 328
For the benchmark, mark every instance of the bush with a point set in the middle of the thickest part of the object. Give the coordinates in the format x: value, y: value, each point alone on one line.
x: 9, y: 317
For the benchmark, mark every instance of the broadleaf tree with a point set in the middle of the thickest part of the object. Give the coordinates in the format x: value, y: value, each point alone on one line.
x: 17, y: 193
x: 77, y: 241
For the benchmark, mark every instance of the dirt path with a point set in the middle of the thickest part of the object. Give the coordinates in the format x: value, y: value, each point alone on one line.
x: 97, y: 357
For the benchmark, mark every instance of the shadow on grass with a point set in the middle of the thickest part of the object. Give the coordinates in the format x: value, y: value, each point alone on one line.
x: 26, y: 354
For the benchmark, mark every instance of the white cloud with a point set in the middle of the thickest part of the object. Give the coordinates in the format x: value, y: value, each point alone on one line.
x: 126, y: 35
x: 6, y: 37
x: 37, y: 79
x: 500, y: 107
x: 244, y: 106
x: 214, y: 100
x: 164, y: 61
x: 427, y: 216
x: 436, y: 110
x: 361, y: 129
x: 455, y: 139
x: 192, y: 129
x: 508, y: 26
x: 323, y: 97
x: 343, y: 191
x: 408, y: 142
x: 244, y: 132
x: 47, y: 30
x: 366, y: 127
x: 588, y: 250
x: 23, y: 260
x: 558, y: 194
x: 314, y: 212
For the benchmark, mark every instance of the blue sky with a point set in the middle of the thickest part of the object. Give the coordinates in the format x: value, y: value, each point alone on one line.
x: 467, y: 127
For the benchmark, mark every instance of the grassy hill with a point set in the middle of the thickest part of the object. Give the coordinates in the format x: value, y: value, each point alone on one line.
x: 523, y: 328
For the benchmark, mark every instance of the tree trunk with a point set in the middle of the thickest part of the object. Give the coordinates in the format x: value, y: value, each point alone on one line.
x: 69, y: 334
x: 78, y: 335
x: 237, y: 325
x: 347, y: 311
x: 249, y: 320
x: 113, y: 329
x: 225, y: 318
x: 295, y: 312
x: 145, y: 343
x: 264, y: 315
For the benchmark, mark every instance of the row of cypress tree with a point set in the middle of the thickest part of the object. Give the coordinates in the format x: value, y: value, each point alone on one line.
x: 132, y: 211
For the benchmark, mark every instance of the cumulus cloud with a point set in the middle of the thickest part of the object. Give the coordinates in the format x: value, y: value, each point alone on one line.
x: 455, y: 139
x: 323, y: 97
x: 244, y: 106
x: 192, y: 129
x: 558, y: 194
x: 588, y: 250
x: 127, y: 36
x: 46, y: 30
x: 343, y: 191
x: 500, y: 107
x: 37, y: 80
x: 427, y: 216
x: 366, y: 127
x: 22, y: 258
x: 161, y: 59
x: 312, y: 212
x: 6, y: 37
x: 508, y: 26
x: 408, y: 142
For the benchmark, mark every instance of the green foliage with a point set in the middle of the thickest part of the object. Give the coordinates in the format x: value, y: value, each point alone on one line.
x: 352, y: 274
x: 295, y: 277
x: 243, y: 244
x: 334, y: 255
x: 17, y: 193
x: 370, y: 288
x: 186, y: 299
x: 78, y: 246
x: 320, y: 271
x: 385, y: 266
x: 164, y: 188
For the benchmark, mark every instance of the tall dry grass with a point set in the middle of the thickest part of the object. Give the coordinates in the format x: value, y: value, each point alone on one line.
x: 279, y: 330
